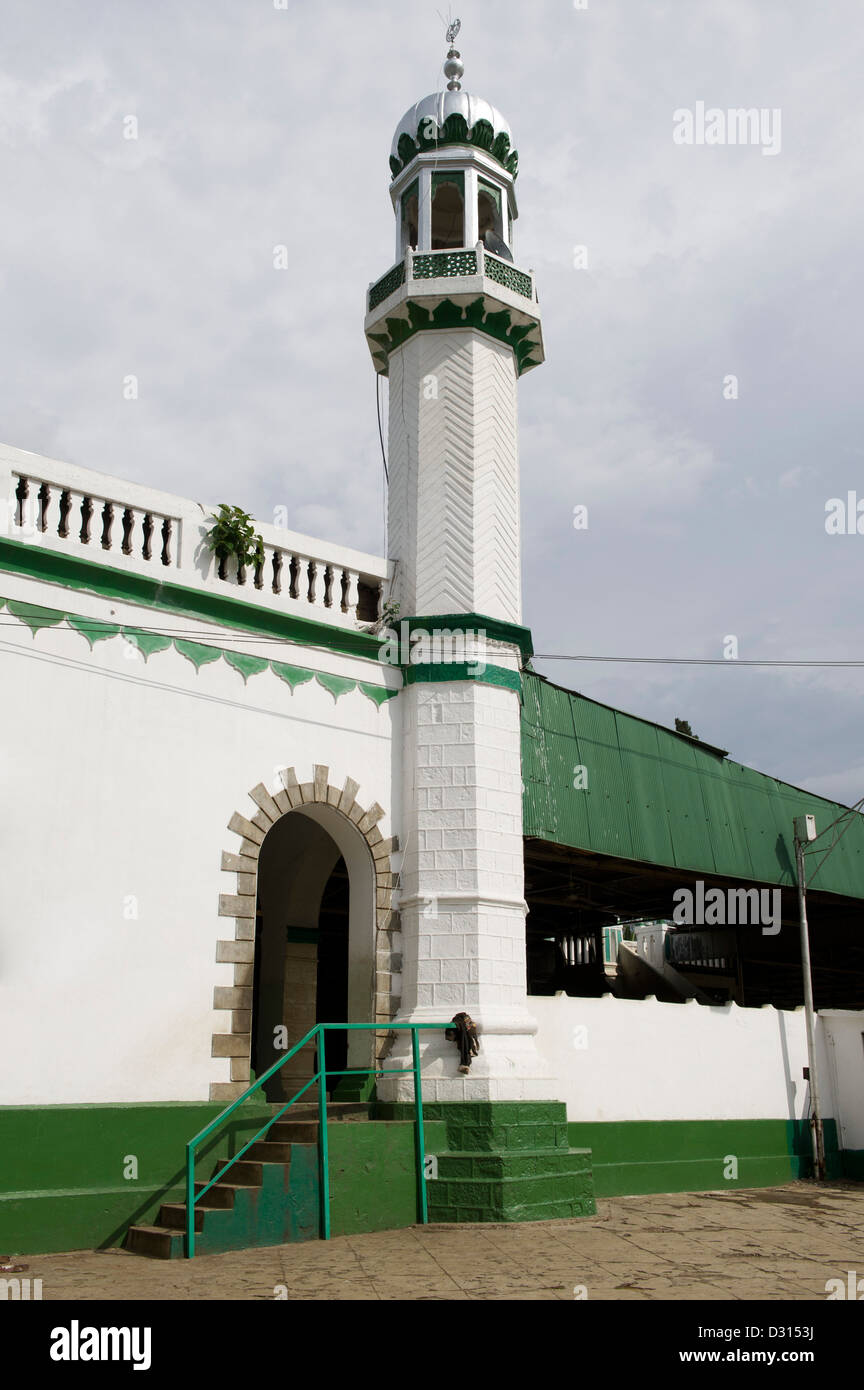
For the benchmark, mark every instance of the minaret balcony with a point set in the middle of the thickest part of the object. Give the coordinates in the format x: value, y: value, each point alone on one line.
x: 463, y: 287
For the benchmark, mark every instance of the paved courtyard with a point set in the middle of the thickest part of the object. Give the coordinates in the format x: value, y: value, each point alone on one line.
x: 771, y: 1243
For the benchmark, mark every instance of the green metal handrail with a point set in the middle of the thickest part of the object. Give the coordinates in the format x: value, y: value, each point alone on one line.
x: 319, y: 1032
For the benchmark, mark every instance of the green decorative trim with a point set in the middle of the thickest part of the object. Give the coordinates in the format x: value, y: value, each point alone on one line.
x: 146, y: 642
x: 439, y: 263
x: 94, y: 629
x: 387, y: 285
x: 493, y: 629
x: 377, y: 693
x: 34, y: 617
x: 455, y: 131
x: 336, y: 685
x: 407, y: 149
x: 76, y: 572
x: 462, y: 671
x: 482, y: 135
x: 505, y: 274
x: 197, y: 653
x: 500, y: 325
x: 245, y: 664
x: 291, y: 675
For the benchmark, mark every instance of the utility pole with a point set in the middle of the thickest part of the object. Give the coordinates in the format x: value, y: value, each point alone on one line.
x: 805, y: 830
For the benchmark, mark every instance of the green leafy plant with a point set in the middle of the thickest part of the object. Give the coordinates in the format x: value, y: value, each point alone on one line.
x: 233, y: 533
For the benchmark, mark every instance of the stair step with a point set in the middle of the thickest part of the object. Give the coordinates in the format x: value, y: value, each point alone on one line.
x: 156, y: 1242
x: 220, y: 1196
x: 336, y: 1110
x: 264, y: 1164
x: 172, y: 1216
x: 245, y: 1173
x: 287, y: 1132
x: 266, y: 1151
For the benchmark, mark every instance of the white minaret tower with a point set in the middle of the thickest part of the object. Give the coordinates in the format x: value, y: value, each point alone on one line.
x: 453, y: 325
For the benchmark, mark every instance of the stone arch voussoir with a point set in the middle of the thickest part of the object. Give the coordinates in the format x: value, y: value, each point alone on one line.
x: 239, y: 950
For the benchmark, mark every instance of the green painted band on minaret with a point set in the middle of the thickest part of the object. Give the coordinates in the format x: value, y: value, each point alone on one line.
x: 477, y: 624
x: 503, y: 325
x: 462, y: 671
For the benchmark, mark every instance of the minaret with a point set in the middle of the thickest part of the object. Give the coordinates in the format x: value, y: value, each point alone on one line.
x: 453, y: 325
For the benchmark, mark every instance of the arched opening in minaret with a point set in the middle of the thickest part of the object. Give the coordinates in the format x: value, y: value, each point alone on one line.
x: 490, y: 217
x: 410, y: 217
x: 448, y: 211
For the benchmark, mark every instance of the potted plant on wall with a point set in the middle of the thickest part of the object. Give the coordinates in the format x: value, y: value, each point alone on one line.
x: 232, y: 533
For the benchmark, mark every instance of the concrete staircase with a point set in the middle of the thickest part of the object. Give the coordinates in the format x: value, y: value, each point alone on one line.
x: 269, y: 1197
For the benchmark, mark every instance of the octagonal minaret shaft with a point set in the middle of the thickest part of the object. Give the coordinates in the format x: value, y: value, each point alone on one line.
x: 453, y: 324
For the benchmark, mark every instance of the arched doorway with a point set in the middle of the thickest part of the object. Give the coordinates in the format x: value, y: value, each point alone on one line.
x: 301, y: 950
x: 326, y: 858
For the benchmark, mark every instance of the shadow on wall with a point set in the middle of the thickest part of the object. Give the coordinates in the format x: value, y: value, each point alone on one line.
x: 791, y: 1085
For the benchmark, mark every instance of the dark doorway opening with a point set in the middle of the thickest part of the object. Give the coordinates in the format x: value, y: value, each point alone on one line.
x: 332, y: 980
x: 300, y: 975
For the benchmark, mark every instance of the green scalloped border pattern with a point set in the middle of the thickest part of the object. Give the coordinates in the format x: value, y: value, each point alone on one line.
x: 455, y: 131
x: 499, y: 324
x: 199, y: 653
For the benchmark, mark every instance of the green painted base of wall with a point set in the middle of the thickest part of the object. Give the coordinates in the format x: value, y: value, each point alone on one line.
x: 62, y: 1183
x: 63, y: 1186
x: 642, y: 1156
x: 503, y: 1161
x: 373, y: 1176
x: 852, y: 1164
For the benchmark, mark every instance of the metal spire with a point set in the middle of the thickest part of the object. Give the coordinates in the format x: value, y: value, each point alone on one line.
x: 453, y: 68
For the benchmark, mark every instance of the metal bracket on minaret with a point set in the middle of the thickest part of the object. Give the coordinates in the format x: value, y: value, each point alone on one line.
x: 453, y: 68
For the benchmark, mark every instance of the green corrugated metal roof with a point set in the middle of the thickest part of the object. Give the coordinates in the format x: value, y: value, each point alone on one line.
x: 663, y: 798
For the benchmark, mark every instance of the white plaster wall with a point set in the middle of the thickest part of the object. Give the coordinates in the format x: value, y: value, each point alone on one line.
x: 638, y: 1059
x: 462, y: 888
x: 461, y: 900
x: 454, y: 475
x: 118, y: 778
x: 845, y: 1048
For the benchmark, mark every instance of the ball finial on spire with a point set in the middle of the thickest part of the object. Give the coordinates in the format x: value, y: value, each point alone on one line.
x: 453, y: 67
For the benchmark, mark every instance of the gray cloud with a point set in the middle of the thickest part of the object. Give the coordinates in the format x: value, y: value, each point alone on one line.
x: 260, y: 127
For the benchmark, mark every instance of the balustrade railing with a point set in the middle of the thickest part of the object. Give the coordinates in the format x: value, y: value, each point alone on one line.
x: 426, y: 265
x: 63, y: 508
x: 39, y: 507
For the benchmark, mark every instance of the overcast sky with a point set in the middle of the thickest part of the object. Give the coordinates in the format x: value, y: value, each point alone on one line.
x: 259, y: 127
